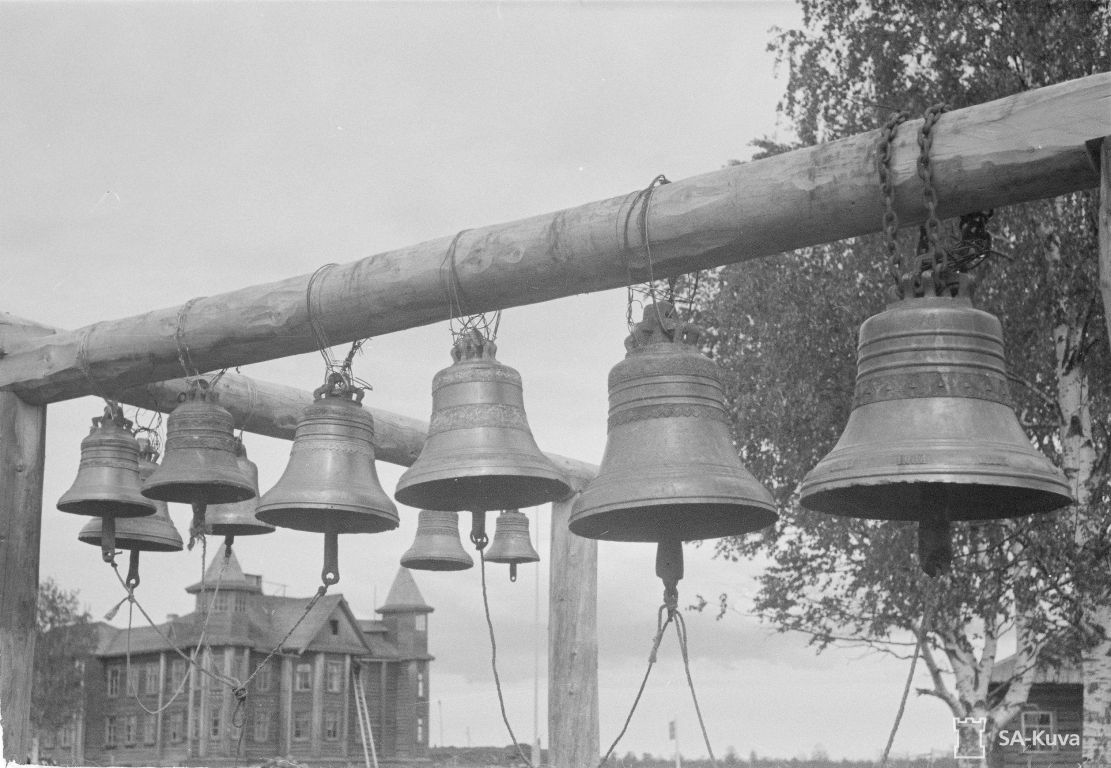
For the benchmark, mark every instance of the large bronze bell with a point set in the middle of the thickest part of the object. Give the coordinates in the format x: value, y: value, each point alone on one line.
x: 669, y: 471
x: 933, y: 435
x: 108, y: 482
x: 480, y: 453
x: 330, y: 484
x: 511, y: 542
x: 437, y: 546
x: 198, y: 464
x: 153, y: 533
x: 932, y: 422
x: 238, y: 518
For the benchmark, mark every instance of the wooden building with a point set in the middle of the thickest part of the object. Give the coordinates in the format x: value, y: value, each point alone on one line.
x: 146, y: 704
x: 1047, y: 732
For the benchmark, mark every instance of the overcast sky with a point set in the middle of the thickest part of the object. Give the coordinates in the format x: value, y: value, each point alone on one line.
x: 152, y: 153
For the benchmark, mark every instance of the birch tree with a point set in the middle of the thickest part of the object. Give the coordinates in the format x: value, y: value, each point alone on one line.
x: 785, y: 329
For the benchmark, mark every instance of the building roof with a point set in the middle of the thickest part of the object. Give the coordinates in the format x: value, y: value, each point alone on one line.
x: 404, y: 597
x: 229, y: 576
x: 270, y: 620
x: 1049, y: 670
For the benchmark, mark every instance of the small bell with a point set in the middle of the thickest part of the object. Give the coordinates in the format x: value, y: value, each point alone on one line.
x: 154, y: 533
x: 198, y: 464
x: 107, y: 482
x: 933, y: 436
x: 670, y: 470
x: 511, y: 542
x: 238, y: 518
x: 437, y: 546
x: 480, y: 453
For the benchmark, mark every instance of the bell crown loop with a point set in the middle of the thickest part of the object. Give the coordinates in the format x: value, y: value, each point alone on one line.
x: 340, y: 385
x: 661, y: 324
x: 472, y: 345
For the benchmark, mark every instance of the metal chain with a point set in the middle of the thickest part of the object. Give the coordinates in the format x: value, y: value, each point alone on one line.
x: 934, y: 254
x: 887, y: 188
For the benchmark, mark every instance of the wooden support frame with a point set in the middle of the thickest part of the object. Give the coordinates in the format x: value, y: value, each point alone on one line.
x: 1028, y: 146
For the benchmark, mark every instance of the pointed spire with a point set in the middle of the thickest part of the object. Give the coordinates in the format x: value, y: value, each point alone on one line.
x: 404, y: 597
x: 232, y: 577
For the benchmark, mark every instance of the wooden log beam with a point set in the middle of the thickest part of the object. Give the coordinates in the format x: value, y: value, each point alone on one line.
x: 265, y: 408
x: 1023, y: 147
x: 573, y: 732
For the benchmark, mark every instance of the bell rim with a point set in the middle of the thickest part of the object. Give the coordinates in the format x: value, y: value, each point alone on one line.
x: 366, y: 520
x: 624, y: 520
x: 479, y: 491
x: 107, y: 506
x: 831, y: 498
x: 126, y: 542
x: 425, y: 563
x: 238, y: 529
x: 189, y: 492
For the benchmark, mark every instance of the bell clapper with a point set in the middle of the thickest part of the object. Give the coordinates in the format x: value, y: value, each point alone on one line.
x: 513, y: 572
x: 133, y: 570
x: 669, y: 568
x: 196, y: 527
x: 108, y: 538
x: 935, y: 542
x: 330, y: 574
x: 478, y: 530
x: 228, y: 541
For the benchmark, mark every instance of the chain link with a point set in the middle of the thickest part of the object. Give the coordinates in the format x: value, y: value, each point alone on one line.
x: 934, y: 254
x: 887, y: 188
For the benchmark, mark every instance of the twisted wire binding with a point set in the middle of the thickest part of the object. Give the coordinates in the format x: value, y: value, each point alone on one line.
x: 183, y: 355
x: 86, y: 370
x: 460, y: 323
x: 494, y: 662
x: 644, y: 198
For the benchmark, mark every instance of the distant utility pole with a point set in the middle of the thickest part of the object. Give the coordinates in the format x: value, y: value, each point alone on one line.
x: 673, y: 733
x: 440, y: 708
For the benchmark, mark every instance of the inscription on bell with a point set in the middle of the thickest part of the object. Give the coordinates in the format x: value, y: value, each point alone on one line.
x: 911, y: 458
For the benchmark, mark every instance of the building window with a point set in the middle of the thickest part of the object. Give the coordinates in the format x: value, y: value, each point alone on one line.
x: 65, y: 736
x: 240, y: 602
x: 421, y: 622
x: 130, y: 729
x: 214, y: 723
x: 420, y: 682
x: 177, y: 727
x: 110, y: 731
x: 150, y: 679
x: 335, y: 677
x: 331, y: 725
x: 333, y: 624
x: 177, y: 673
x: 48, y: 739
x: 1041, y: 723
x: 301, y: 726
x: 149, y: 730
x: 220, y: 601
x: 303, y: 681
x: 420, y: 730
x: 113, y: 681
x: 261, y: 730
x: 263, y: 678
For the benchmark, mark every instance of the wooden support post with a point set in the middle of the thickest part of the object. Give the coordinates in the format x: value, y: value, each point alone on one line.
x: 22, y: 452
x: 1024, y: 147
x: 572, y: 643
